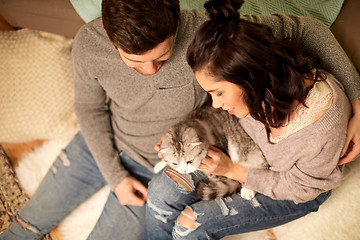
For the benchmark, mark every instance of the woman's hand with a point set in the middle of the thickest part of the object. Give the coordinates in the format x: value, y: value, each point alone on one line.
x: 351, y: 149
x: 218, y: 163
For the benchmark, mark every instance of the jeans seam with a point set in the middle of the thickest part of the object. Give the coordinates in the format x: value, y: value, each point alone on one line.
x: 297, y: 215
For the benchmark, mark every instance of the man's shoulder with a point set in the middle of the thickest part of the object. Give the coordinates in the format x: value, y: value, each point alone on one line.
x: 91, y: 39
x: 190, y: 22
x: 192, y: 18
x: 93, y: 29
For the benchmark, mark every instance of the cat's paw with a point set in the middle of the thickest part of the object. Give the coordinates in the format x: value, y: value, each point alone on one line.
x: 247, y: 193
x: 159, y: 166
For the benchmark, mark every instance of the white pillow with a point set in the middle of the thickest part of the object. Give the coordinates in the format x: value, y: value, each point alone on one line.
x: 36, y: 93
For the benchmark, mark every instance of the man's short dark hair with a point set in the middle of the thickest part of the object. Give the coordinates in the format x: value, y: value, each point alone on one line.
x: 137, y: 26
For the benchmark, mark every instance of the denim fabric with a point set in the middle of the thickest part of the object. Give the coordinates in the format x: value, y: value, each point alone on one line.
x: 69, y: 183
x: 214, y: 218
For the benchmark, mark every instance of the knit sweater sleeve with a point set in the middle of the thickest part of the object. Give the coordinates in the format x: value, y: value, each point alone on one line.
x: 315, y: 38
x: 312, y: 174
x: 93, y: 114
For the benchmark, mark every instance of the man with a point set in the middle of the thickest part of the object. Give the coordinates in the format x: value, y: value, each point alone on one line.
x: 132, y: 83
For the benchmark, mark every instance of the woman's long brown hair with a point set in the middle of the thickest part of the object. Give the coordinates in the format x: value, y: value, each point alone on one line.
x: 269, y: 70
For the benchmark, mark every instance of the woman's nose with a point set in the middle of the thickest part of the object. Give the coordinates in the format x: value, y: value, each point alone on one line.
x: 216, y: 103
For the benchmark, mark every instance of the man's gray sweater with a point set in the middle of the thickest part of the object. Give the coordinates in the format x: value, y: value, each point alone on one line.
x: 142, y: 108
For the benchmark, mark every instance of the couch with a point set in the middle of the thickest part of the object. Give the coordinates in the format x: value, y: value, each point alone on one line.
x: 37, y: 118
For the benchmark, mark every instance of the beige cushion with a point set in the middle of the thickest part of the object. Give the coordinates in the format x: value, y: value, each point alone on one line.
x: 36, y: 93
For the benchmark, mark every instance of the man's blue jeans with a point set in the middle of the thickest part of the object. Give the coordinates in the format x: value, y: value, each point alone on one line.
x: 73, y: 178
x: 213, y: 219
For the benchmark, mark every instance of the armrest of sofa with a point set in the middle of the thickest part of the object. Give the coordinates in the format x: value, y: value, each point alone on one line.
x: 346, y: 29
x: 56, y: 16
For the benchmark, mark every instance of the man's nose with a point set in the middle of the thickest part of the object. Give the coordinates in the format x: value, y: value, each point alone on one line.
x: 150, y: 67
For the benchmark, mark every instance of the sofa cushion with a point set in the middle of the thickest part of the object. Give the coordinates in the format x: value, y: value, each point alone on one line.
x: 55, y: 16
x: 36, y: 94
x: 346, y: 29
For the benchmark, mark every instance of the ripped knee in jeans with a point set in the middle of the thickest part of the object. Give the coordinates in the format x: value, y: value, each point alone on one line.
x: 187, y: 218
x: 186, y: 222
x: 184, y: 180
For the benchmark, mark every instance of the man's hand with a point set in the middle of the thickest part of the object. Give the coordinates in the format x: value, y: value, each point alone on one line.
x: 131, y: 192
x: 157, y: 146
x: 351, y: 149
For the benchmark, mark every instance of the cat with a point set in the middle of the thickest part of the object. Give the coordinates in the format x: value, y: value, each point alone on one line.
x: 185, y: 145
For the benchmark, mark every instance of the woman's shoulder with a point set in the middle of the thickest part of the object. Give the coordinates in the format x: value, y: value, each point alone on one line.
x: 340, y: 101
x: 339, y: 110
x: 318, y: 101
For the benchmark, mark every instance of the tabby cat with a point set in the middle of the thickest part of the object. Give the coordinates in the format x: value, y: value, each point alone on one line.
x: 185, y: 145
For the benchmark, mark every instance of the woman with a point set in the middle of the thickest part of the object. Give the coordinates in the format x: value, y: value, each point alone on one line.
x: 297, y: 114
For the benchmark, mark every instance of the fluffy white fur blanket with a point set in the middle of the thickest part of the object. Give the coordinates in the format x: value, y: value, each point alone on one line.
x: 338, y: 218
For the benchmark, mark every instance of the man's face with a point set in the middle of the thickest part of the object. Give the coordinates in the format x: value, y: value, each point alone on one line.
x: 150, y: 62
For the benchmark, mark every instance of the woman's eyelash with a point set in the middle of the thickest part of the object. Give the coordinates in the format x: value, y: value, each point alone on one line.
x: 218, y: 94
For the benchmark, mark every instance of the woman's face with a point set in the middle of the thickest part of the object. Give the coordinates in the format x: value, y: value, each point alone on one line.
x: 225, y: 95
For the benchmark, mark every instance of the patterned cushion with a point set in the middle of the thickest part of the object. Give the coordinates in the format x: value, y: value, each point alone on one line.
x: 12, y: 197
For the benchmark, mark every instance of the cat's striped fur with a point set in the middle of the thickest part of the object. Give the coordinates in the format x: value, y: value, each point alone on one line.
x: 185, y: 145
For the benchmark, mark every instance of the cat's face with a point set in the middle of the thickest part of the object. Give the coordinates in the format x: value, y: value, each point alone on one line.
x: 184, y: 153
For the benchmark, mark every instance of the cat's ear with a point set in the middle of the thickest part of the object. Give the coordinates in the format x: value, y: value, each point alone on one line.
x: 190, y: 135
x: 165, y: 150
